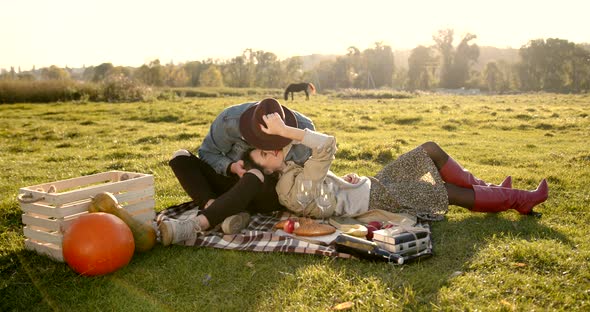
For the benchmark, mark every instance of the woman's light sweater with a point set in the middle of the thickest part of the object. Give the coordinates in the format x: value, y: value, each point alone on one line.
x: 350, y: 198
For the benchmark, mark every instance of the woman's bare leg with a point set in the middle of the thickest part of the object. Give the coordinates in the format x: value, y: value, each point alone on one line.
x: 460, y: 196
x: 436, y: 153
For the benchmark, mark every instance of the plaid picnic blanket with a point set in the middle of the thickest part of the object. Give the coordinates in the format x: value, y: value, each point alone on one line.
x: 259, y: 236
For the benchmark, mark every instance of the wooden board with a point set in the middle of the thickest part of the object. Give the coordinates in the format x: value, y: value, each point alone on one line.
x: 52, y: 251
x: 47, y: 215
x: 61, y: 198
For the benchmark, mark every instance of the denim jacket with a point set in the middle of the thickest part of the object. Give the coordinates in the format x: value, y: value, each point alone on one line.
x: 224, y: 144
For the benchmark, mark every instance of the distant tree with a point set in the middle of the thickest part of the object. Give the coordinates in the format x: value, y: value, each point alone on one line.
x: 354, y: 64
x: 151, y: 74
x: 444, y: 44
x: 193, y: 72
x: 211, y: 77
x: 421, y: 65
x: 12, y: 73
x: 54, y: 73
x: 341, y: 73
x: 555, y: 65
x: 379, y: 65
x: 268, y: 70
x: 455, y: 64
x: 4, y: 74
x: 510, y: 80
x: 175, y: 76
x: 120, y: 71
x: 326, y: 74
x: 101, y: 72
x: 580, y: 69
x: 156, y: 73
x: 400, y: 78
x: 142, y: 74
x: 250, y: 61
x: 492, y: 76
x: 88, y: 73
x: 236, y: 73
x: 292, y: 69
x: 465, y: 55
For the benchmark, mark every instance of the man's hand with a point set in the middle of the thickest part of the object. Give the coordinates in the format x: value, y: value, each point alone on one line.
x: 238, y: 168
x: 351, y: 178
x: 274, y: 124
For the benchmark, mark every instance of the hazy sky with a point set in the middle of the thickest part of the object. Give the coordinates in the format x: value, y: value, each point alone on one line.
x: 130, y: 32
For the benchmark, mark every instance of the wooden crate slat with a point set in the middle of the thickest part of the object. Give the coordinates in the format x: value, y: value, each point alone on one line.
x: 144, y: 203
x: 35, y: 196
x: 135, y: 195
x: 114, y: 187
x: 75, y: 182
x: 145, y: 210
x: 130, y: 175
x: 42, y: 209
x: 67, y: 221
x: 80, y: 207
x: 60, y: 212
x: 108, y: 183
x: 54, y: 238
x: 81, y: 182
x: 47, y: 249
x: 75, y: 208
x: 46, y: 223
x: 145, y: 216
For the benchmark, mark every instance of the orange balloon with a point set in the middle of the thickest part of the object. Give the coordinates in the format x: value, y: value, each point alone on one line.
x: 97, y: 243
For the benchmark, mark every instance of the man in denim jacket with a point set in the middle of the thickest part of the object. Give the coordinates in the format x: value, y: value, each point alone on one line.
x: 217, y: 180
x: 224, y: 145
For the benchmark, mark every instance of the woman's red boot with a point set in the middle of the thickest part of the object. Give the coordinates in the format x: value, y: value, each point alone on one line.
x: 496, y: 199
x: 452, y: 172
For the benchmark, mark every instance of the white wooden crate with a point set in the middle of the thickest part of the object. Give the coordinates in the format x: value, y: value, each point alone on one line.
x: 47, y: 215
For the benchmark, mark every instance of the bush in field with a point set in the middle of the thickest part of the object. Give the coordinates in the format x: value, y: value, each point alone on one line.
x: 194, y: 92
x: 44, y: 91
x: 372, y: 94
x: 123, y: 89
x: 225, y: 91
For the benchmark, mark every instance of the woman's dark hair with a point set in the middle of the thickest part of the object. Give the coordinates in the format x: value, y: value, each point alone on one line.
x: 250, y: 164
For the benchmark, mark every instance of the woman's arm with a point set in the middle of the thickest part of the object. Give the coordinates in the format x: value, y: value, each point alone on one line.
x: 275, y: 125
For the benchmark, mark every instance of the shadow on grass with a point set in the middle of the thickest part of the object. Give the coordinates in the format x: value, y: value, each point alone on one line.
x: 175, y: 278
x: 457, y: 243
x: 192, y: 278
x: 459, y: 239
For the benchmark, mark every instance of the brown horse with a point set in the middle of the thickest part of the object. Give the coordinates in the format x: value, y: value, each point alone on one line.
x: 308, y: 87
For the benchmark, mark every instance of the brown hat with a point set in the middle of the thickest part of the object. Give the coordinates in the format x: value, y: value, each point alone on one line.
x: 251, y: 120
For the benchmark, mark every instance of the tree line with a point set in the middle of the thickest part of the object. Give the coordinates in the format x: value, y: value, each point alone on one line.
x: 552, y: 65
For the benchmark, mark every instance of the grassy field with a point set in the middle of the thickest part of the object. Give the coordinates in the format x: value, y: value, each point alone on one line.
x: 484, y: 262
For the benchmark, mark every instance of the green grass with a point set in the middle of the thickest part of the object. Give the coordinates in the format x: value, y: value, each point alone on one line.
x: 485, y: 262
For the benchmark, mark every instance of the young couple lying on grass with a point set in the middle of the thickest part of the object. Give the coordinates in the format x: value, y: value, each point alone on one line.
x: 423, y: 181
